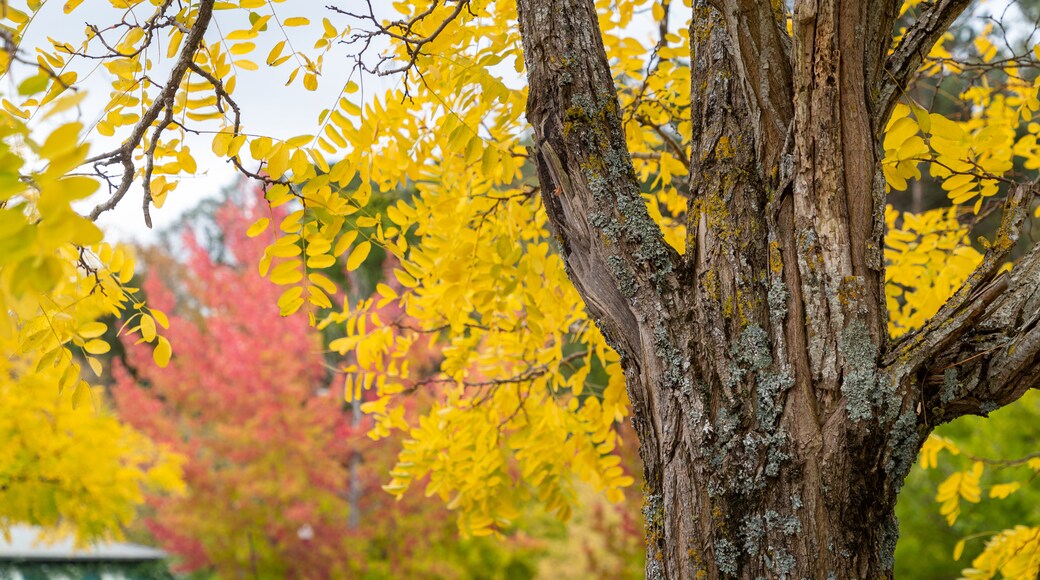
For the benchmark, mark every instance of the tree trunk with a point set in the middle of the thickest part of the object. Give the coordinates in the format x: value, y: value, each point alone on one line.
x: 776, y: 421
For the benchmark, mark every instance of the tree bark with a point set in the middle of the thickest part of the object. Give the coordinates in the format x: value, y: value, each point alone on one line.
x: 776, y: 422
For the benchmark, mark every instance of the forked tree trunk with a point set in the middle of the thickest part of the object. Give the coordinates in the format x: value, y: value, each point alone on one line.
x: 776, y: 420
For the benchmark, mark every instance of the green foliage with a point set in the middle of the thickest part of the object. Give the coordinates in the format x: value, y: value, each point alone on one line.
x: 926, y: 541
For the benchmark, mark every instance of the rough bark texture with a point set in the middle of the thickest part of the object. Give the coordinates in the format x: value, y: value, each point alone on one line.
x: 776, y: 421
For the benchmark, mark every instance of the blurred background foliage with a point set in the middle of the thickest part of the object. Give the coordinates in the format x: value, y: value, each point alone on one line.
x: 926, y: 542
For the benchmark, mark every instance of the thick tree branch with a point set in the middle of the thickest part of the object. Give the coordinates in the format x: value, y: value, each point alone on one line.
x: 763, y: 51
x: 997, y: 360
x: 614, y: 250
x: 966, y: 307
x: 911, y: 52
x: 981, y: 351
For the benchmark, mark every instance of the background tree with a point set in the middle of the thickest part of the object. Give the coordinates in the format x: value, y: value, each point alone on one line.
x: 741, y: 290
x: 69, y: 465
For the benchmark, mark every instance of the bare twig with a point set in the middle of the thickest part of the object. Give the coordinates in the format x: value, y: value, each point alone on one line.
x: 401, y: 31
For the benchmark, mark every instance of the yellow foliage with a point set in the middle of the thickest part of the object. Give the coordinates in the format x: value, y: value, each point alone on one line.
x: 66, y: 460
x: 959, y: 485
x: 1013, y: 554
x: 928, y: 258
x: 931, y: 448
x: 968, y: 157
x: 75, y: 469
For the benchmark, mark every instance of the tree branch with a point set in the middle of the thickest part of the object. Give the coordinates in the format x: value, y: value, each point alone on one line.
x: 911, y: 52
x: 615, y: 252
x: 968, y: 305
x: 763, y: 62
x: 998, y: 359
x: 981, y: 351
x: 163, y: 102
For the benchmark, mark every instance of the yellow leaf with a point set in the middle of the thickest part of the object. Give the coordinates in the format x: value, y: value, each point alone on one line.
x: 162, y: 352
x: 658, y: 11
x: 322, y: 282
x: 358, y: 255
x: 276, y: 52
x: 81, y: 395
x: 95, y: 365
x: 945, y: 128
x: 287, y: 272
x: 241, y: 35
x: 958, y: 550
x: 147, y: 327
x: 97, y: 346
x: 291, y: 223
x: 69, y: 376
x: 160, y: 317
x: 1003, y: 490
x: 11, y: 108
x: 291, y: 300
x: 330, y: 30
x: 318, y: 298
x: 320, y: 261
x: 187, y: 161
x: 296, y: 21
x: 92, y: 329
x: 899, y: 131
x: 242, y: 48
x: 344, y: 242
x: 258, y: 228
x: 405, y: 278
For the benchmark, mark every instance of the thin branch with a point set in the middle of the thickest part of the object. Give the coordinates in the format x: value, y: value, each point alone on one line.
x: 163, y: 102
x: 670, y: 141
x: 401, y: 31
x: 10, y: 47
x: 911, y: 52
x: 1004, y: 462
x: 527, y: 375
